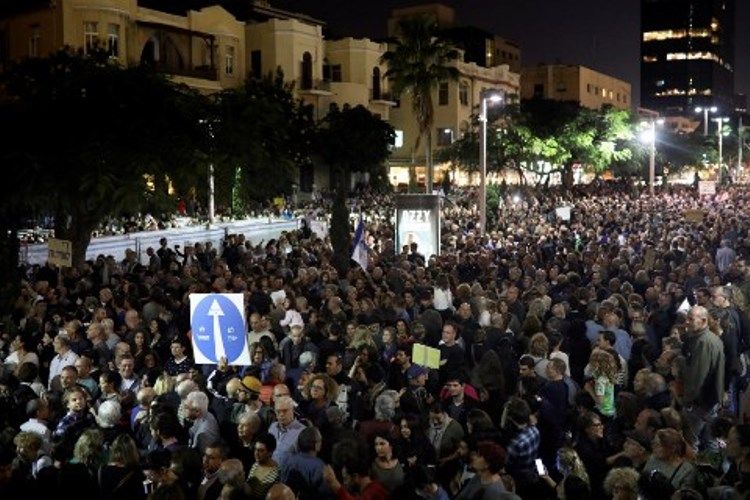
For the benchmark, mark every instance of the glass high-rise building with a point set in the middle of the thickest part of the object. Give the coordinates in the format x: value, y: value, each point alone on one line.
x: 687, y: 55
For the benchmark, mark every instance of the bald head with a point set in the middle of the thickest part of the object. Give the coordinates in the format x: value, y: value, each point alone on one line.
x: 280, y: 492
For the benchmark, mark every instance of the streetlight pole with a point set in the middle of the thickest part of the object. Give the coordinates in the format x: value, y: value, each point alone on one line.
x: 211, y: 209
x: 652, y: 159
x: 649, y: 137
x: 739, y: 149
x: 483, y: 162
x: 720, y: 133
x: 705, y: 110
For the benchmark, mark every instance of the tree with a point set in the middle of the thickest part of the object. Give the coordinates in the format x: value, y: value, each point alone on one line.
x: 263, y: 136
x: 417, y: 64
x: 89, y: 136
x: 350, y: 140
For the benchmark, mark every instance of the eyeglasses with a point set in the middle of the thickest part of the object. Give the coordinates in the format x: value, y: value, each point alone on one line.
x: 597, y: 424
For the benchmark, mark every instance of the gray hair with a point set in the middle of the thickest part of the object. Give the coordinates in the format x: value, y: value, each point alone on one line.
x: 385, y: 406
x: 109, y: 414
x: 284, y: 401
x: 250, y: 418
x: 185, y: 388
x: 198, y: 400
x: 232, y: 473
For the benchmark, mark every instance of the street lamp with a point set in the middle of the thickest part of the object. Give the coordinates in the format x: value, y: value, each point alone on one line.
x: 705, y: 110
x: 649, y: 137
x: 493, y: 97
x: 211, y: 211
x: 720, y: 133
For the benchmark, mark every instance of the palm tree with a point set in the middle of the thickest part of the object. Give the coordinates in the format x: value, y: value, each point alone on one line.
x: 417, y: 63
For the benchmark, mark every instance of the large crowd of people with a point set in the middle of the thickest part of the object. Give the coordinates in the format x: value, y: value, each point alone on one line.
x: 604, y: 356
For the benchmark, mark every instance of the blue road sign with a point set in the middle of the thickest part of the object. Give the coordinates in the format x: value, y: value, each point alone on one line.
x: 218, y: 326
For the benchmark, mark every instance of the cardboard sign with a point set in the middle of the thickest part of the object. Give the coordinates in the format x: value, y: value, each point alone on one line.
x: 425, y: 356
x: 563, y: 213
x: 694, y: 215
x: 706, y: 187
x: 60, y: 252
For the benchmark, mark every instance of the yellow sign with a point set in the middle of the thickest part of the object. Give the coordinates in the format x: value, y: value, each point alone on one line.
x: 60, y: 252
x: 425, y: 356
x: 694, y: 215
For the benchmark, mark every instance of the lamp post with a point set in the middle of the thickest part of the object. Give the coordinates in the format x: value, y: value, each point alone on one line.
x: 211, y: 210
x: 649, y: 137
x: 494, y: 97
x: 705, y: 110
x: 720, y: 134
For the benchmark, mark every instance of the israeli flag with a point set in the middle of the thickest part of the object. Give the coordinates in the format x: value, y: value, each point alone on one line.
x: 359, y: 252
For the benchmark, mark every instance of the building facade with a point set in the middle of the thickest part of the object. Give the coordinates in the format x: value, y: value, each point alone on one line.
x: 204, y: 48
x: 687, y: 55
x: 456, y: 105
x: 564, y: 82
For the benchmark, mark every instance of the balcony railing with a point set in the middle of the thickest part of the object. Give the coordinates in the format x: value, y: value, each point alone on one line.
x: 203, y: 72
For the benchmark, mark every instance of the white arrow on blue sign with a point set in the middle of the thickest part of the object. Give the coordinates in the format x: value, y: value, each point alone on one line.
x: 217, y: 321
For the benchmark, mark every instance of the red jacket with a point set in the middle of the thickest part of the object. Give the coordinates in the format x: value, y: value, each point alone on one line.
x: 373, y: 491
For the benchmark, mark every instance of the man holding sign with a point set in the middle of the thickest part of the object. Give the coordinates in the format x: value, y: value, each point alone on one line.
x: 218, y: 326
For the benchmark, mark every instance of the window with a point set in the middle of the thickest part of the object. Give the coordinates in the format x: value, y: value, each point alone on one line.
x: 336, y: 73
x: 229, y: 60
x: 560, y: 87
x: 538, y: 90
x: 113, y: 40
x: 588, y: 88
x: 34, y: 41
x: 650, y: 59
x: 307, y: 71
x: 596, y: 90
x: 625, y: 98
x: 618, y: 97
x: 255, y: 63
x: 376, y: 94
x: 660, y: 83
x: 444, y: 136
x: 443, y: 94
x: 90, y: 36
x: 463, y: 93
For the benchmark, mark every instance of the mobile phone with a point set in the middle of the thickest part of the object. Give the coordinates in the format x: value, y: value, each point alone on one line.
x: 540, y: 468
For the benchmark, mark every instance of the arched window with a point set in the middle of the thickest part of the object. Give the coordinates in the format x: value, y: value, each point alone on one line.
x: 307, y: 71
x: 150, y: 52
x: 375, y: 83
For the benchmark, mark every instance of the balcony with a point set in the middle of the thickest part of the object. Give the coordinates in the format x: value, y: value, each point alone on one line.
x: 202, y: 72
x: 315, y: 88
x: 382, y: 98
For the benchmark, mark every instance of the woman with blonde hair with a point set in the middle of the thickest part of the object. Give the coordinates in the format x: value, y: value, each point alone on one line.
x: 539, y: 350
x: 672, y: 456
x: 621, y: 483
x: 121, y: 477
x: 164, y: 384
x: 602, y: 388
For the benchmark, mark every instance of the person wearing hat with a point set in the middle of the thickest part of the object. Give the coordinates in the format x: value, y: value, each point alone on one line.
x: 247, y: 397
x: 415, y: 399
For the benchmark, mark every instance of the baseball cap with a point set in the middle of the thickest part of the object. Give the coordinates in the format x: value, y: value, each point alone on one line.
x: 251, y: 383
x: 415, y: 371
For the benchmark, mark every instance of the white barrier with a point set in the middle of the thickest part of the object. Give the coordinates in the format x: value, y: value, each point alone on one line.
x: 255, y: 230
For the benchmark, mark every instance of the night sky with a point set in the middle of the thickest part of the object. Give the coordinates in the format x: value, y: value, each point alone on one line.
x: 601, y: 34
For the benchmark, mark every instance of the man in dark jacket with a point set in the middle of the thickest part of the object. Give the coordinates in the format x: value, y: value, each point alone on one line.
x: 703, y: 376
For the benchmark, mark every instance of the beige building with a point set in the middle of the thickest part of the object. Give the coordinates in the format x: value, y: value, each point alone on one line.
x: 204, y: 49
x: 456, y: 103
x: 561, y: 82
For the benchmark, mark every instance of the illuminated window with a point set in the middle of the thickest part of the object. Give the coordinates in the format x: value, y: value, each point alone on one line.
x: 611, y: 94
x: 681, y: 56
x: 715, y: 26
x: 444, y: 136
x: 651, y: 36
x: 90, y: 36
x: 604, y: 92
x: 670, y: 92
x: 229, y: 61
x: 660, y: 83
x: 113, y: 40
x: 650, y: 59
x: 34, y: 41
